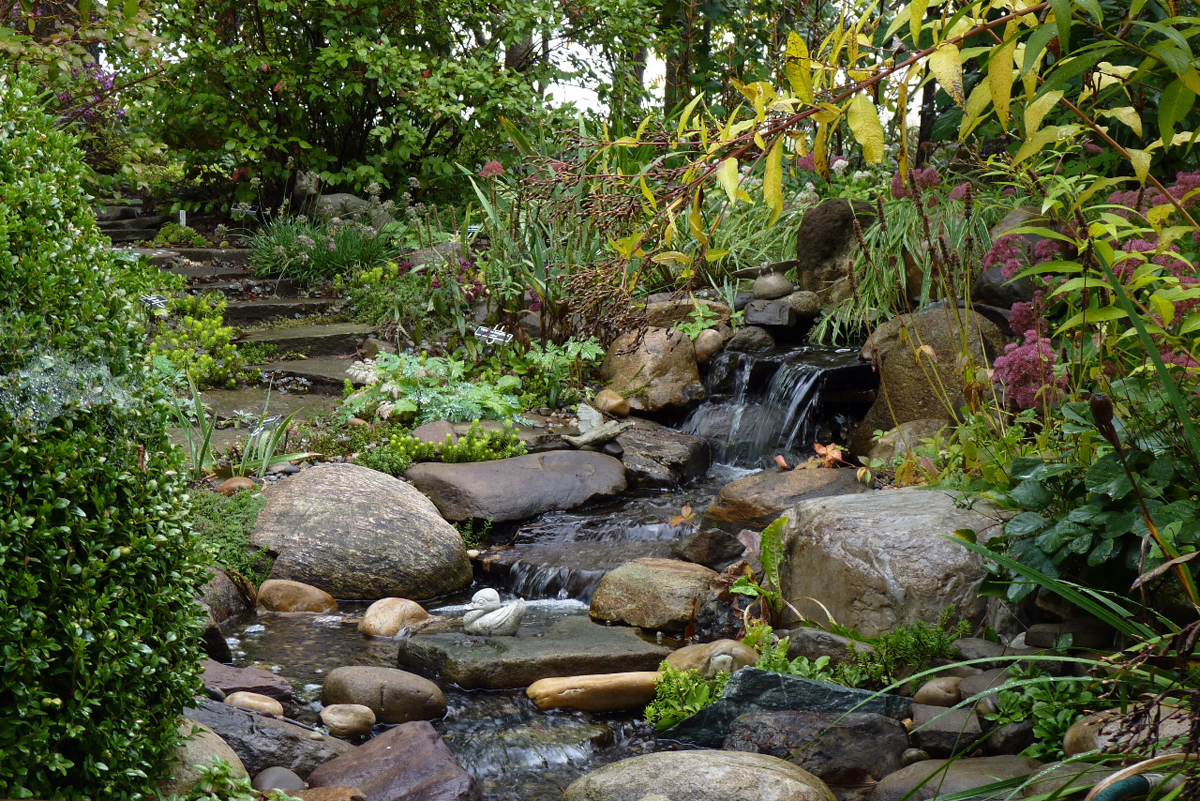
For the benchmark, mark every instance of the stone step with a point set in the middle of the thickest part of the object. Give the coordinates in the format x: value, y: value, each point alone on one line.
x: 323, y: 375
x: 202, y: 273
x: 253, y: 311
x: 229, y: 257
x: 246, y: 286
x: 245, y: 405
x: 328, y: 339
x: 123, y: 236
x: 134, y: 223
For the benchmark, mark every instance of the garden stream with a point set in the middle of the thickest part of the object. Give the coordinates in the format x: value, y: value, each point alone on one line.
x: 759, y: 406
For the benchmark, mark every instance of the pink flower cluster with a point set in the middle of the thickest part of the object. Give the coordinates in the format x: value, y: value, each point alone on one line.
x: 1009, y: 253
x: 1028, y: 315
x: 491, y: 169
x: 923, y: 180
x: 1186, y: 183
x: 1027, y: 371
x: 1174, y: 264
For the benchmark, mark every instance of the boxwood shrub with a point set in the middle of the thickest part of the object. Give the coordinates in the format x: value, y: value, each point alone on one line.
x: 99, y: 629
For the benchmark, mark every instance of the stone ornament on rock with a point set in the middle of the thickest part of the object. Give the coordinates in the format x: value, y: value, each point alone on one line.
x: 490, y: 618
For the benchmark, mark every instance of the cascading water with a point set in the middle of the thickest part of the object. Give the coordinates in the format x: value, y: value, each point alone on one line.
x: 745, y: 426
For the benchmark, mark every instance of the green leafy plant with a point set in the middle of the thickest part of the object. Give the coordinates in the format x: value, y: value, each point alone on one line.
x: 217, y: 781
x: 223, y: 527
x: 99, y: 629
x: 479, y: 446
x: 1054, y: 705
x: 176, y: 235
x: 317, y: 250
x: 194, y: 422
x: 474, y: 533
x: 701, y: 319
x: 770, y: 593
x: 680, y: 694
x: 425, y: 389
x: 200, y: 342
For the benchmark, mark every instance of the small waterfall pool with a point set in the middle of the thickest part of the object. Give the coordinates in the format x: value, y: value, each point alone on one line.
x: 759, y: 405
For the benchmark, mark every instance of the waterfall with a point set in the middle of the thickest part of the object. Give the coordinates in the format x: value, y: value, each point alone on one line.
x: 745, y: 426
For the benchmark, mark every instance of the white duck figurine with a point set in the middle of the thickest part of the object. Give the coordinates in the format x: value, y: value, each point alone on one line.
x: 490, y: 618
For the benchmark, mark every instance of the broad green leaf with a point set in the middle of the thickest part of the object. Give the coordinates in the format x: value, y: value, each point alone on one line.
x: 1062, y: 22
x: 1173, y: 106
x: 947, y: 68
x: 687, y: 113
x: 1040, y: 139
x: 798, y: 67
x: 864, y: 123
x: 1164, y: 308
x: 1101, y: 315
x: 1035, y: 46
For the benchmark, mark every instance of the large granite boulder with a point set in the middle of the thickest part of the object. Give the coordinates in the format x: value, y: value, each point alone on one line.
x: 360, y: 534
x: 933, y: 778
x: 265, y: 742
x: 518, y: 488
x: 922, y: 375
x: 655, y: 371
x: 657, y: 457
x: 753, y: 690
x: 699, y: 776
x: 825, y: 247
x: 395, y: 696
x: 407, y: 763
x: 573, y: 646
x: 668, y: 313
x: 755, y: 501
x: 654, y: 594
x: 878, y: 560
x: 838, y: 749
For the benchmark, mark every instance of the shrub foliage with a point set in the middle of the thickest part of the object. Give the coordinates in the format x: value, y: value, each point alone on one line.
x: 98, y: 623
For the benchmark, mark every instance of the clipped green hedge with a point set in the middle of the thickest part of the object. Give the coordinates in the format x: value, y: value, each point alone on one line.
x: 99, y: 645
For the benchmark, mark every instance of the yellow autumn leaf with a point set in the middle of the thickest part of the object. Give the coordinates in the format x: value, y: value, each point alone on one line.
x: 1036, y: 142
x: 1127, y: 115
x: 1000, y: 75
x: 727, y: 174
x: 715, y: 255
x: 916, y: 14
x: 977, y: 103
x: 1036, y: 111
x: 773, y: 181
x: 864, y: 123
x: 947, y: 68
x: 798, y: 68
x: 1140, y: 159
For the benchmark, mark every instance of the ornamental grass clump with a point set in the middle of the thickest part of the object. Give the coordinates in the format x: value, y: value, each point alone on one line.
x: 99, y: 628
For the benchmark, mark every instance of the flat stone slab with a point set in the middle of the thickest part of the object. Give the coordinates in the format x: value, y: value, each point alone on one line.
x: 327, y: 374
x: 574, y: 646
x: 319, y: 340
x: 518, y: 488
x: 754, y: 690
x: 249, y: 311
x: 226, y: 403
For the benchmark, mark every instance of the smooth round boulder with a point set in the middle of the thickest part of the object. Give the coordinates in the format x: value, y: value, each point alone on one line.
x: 277, y: 778
x: 611, y: 403
x: 387, y: 616
x: 279, y: 595
x: 711, y: 658
x: 699, y: 776
x: 756, y: 500
x: 655, y: 370
x: 232, y: 486
x: 941, y: 691
x: 195, y: 752
x: 771, y: 286
x: 255, y: 703
x: 360, y: 534
x: 395, y: 696
x: 655, y: 594
x: 605, y: 692
x: 348, y: 720
x: 923, y: 781
x: 709, y: 343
